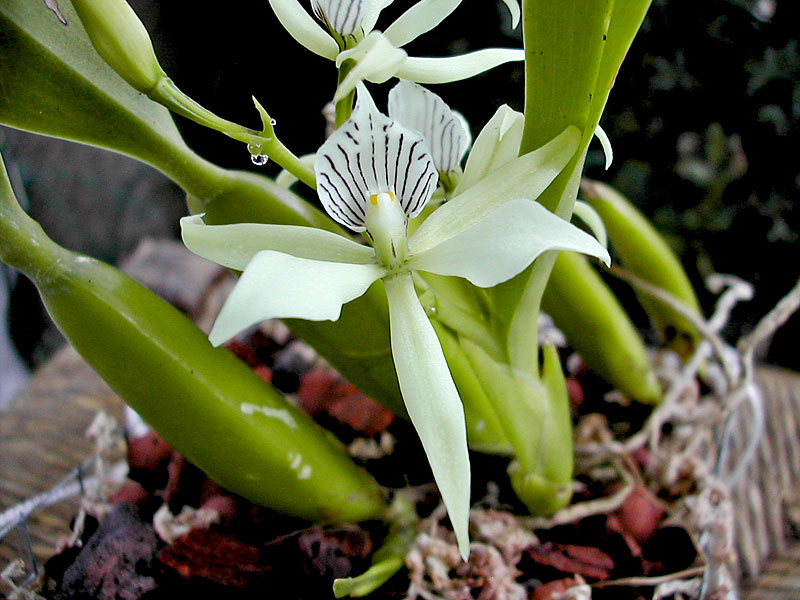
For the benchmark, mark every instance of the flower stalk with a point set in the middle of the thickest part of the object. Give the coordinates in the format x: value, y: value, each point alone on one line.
x: 122, y: 41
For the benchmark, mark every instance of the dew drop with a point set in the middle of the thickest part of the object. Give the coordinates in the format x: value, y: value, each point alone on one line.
x: 256, y: 156
x: 273, y: 122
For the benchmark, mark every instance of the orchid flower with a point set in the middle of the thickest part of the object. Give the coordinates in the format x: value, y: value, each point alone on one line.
x: 373, y: 175
x: 379, y: 55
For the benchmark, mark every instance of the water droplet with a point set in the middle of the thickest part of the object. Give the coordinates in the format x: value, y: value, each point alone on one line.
x: 259, y: 159
x: 254, y: 148
x: 273, y: 122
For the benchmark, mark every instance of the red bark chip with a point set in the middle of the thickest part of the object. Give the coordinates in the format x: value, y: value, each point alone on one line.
x: 359, y: 411
x: 641, y: 514
x: 575, y: 393
x: 132, y: 492
x: 587, y: 561
x: 324, y: 392
x: 216, y: 556
x: 552, y: 588
x: 148, y: 453
x: 264, y: 372
x: 244, y: 351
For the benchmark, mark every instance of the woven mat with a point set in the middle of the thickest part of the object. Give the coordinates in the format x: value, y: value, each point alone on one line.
x: 42, y: 439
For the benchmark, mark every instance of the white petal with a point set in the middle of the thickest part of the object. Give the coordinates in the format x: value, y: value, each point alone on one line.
x: 586, y: 213
x: 496, y: 144
x: 278, y: 286
x: 342, y: 16
x: 526, y: 176
x: 234, y: 246
x: 513, y: 8
x: 419, y: 19
x: 371, y: 154
x: 303, y: 28
x: 606, y: 143
x: 456, y: 68
x: 376, y: 58
x: 373, y: 12
x: 432, y: 401
x: 444, y: 130
x: 504, y: 243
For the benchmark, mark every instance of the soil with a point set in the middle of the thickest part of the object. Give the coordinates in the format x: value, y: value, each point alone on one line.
x: 222, y: 545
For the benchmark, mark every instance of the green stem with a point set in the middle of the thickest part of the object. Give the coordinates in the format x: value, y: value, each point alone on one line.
x: 265, y: 142
x: 390, y: 557
x: 344, y: 107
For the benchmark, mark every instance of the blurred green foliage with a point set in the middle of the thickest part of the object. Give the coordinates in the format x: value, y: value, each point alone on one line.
x: 704, y: 122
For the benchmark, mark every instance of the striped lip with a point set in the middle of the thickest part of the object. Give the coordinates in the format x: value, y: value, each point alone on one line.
x: 342, y: 16
x: 371, y: 154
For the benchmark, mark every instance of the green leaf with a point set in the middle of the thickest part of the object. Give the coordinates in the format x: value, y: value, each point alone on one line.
x: 56, y: 84
x: 646, y: 254
x: 573, y: 49
x: 597, y: 326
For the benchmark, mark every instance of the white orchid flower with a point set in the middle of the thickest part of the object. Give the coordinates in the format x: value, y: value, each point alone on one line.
x: 374, y: 175
x: 379, y: 55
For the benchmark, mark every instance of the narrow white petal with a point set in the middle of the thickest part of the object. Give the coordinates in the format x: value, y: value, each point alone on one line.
x: 373, y: 12
x: 504, y: 243
x: 278, y: 286
x: 377, y: 60
x: 371, y: 154
x: 444, y: 130
x: 456, y: 68
x: 593, y: 220
x: 606, y: 143
x: 432, y: 401
x: 342, y: 16
x: 234, y: 246
x: 496, y: 144
x: 303, y: 28
x: 513, y: 8
x: 419, y: 19
x: 527, y: 176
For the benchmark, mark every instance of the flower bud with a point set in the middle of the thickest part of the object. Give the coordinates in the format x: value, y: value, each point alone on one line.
x: 121, y: 39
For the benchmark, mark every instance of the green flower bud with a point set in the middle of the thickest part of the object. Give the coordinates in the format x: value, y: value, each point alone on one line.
x: 121, y: 39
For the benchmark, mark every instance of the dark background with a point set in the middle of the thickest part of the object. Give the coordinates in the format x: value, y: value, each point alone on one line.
x: 703, y: 119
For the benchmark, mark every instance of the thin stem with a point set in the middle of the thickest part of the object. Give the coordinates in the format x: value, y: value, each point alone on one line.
x: 344, y: 107
x: 167, y: 93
